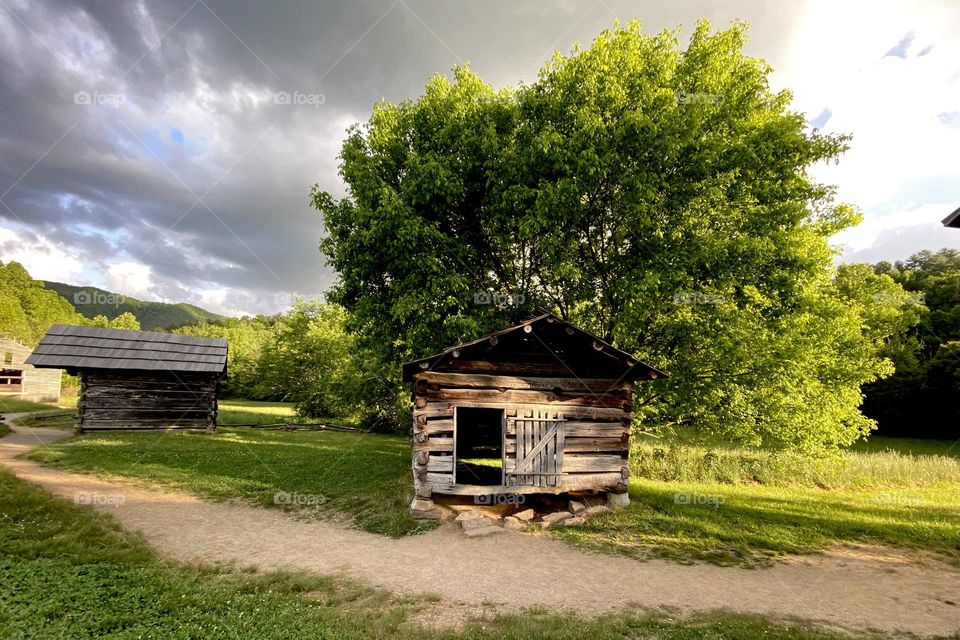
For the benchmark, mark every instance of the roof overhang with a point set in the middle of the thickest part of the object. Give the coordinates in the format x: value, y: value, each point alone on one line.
x: 633, y: 368
x: 953, y: 220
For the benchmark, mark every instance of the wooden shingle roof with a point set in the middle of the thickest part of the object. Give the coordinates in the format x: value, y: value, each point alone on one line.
x: 76, y: 348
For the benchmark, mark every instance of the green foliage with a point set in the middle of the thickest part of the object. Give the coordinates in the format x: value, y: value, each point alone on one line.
x: 309, y: 360
x: 125, y: 320
x: 247, y: 338
x: 152, y: 316
x: 657, y: 196
x: 920, y: 398
x: 27, y: 309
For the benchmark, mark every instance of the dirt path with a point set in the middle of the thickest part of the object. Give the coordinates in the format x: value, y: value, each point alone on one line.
x: 856, y: 589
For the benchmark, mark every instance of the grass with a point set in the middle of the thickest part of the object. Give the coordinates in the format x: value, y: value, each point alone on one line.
x: 750, y: 524
x: 16, y: 405
x: 365, y: 476
x: 912, y: 446
x: 728, y: 505
x: 70, y: 572
x: 231, y: 412
x: 858, y: 469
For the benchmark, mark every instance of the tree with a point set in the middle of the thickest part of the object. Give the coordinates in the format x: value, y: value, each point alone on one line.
x: 248, y: 338
x: 27, y: 308
x: 309, y: 361
x: 125, y: 320
x: 919, y: 400
x: 657, y: 196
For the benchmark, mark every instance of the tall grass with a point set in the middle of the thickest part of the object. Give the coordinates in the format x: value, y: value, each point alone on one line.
x: 680, y: 462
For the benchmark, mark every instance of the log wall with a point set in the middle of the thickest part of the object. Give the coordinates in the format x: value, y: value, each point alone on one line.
x: 147, y: 400
x: 597, y: 416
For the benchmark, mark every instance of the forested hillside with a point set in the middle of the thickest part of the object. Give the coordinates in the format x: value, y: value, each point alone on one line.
x: 91, y: 302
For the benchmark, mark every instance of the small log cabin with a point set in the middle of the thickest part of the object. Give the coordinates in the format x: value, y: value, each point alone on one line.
x: 21, y: 380
x: 137, y: 379
x: 540, y: 407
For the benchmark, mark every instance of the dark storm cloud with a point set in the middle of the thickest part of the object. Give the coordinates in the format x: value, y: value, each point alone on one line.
x: 148, y: 132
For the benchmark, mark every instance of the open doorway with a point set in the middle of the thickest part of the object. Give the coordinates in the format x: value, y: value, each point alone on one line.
x: 479, y: 444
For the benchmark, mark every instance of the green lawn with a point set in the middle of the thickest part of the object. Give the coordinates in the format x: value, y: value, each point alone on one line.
x: 749, y: 524
x: 68, y: 572
x: 914, y: 446
x: 365, y: 476
x: 16, y: 405
x: 732, y: 505
x: 251, y: 412
x: 231, y: 412
x: 724, y: 505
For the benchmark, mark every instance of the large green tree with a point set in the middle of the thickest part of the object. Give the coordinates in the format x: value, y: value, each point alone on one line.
x: 27, y: 308
x: 656, y: 195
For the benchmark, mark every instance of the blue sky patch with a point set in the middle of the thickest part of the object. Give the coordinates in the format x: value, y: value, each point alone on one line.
x: 899, y: 50
x: 820, y: 120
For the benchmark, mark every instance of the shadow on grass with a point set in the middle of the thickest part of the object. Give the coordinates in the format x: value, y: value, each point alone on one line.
x: 750, y: 524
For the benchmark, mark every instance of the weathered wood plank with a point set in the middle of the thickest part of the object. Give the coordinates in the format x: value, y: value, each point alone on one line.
x: 589, y: 429
x: 584, y: 463
x: 526, y: 397
x: 435, y: 444
x: 581, y: 445
x: 445, y: 408
x: 441, y: 464
x: 574, y: 482
x: 439, y: 480
x: 484, y: 381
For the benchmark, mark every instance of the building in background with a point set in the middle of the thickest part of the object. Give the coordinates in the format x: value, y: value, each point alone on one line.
x: 24, y: 381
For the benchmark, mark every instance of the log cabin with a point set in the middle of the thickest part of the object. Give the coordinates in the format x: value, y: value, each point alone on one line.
x: 137, y: 379
x: 23, y: 381
x: 541, y: 407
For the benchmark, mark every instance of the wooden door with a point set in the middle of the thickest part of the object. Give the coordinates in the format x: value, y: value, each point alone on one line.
x: 536, y: 457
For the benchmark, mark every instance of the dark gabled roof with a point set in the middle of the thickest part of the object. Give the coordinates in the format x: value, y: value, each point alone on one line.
x: 953, y: 220
x: 579, y: 352
x: 71, y: 347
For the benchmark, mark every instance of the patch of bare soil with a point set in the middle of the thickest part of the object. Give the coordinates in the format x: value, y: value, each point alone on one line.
x: 857, y: 589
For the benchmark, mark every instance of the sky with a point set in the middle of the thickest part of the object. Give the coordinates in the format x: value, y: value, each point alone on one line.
x: 166, y: 150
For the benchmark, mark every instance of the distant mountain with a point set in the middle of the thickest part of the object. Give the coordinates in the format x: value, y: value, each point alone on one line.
x: 91, y: 302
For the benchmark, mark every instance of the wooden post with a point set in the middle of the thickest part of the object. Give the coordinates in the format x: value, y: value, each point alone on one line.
x: 214, y: 405
x: 78, y: 416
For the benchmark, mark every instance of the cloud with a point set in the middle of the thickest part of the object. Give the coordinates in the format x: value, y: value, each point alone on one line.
x: 143, y: 145
x: 900, y: 169
x: 897, y: 234
x: 43, y: 259
x: 130, y: 278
